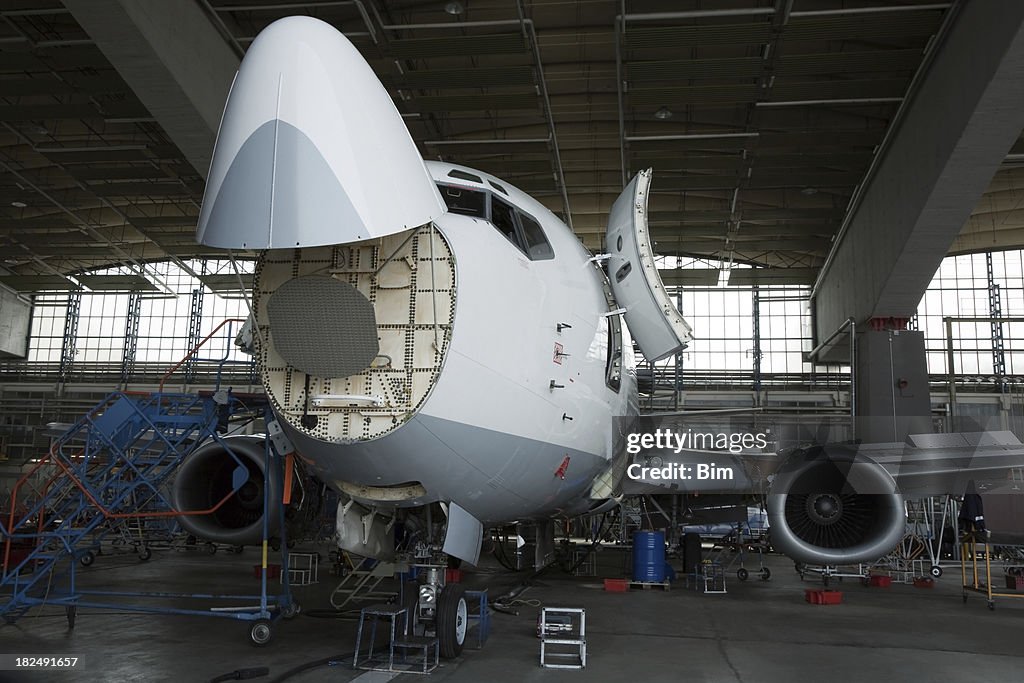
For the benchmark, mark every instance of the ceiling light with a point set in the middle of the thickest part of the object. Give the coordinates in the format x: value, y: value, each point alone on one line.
x: 809, y: 191
x: 663, y: 114
x: 18, y: 205
x: 454, y: 8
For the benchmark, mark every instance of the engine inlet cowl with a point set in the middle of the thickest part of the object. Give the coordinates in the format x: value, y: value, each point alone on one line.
x: 835, y: 508
x: 207, y: 476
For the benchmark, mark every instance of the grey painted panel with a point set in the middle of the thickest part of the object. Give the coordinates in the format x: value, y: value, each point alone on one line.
x: 240, y: 215
x: 14, y: 321
x: 280, y: 160
x: 495, y: 477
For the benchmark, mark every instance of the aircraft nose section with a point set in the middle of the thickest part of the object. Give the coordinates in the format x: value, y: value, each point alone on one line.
x: 311, y: 150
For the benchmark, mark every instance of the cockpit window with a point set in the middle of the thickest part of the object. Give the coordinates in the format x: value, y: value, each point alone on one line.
x: 465, y: 201
x: 498, y: 187
x: 462, y: 175
x: 518, y: 228
x: 537, y: 246
x: 503, y: 217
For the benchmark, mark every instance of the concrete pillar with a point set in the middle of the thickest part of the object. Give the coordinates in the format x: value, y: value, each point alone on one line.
x: 15, y: 316
x: 892, y: 386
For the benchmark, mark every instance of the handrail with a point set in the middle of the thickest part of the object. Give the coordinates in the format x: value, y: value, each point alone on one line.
x: 139, y: 515
x: 52, y: 457
x: 196, y: 348
x: 107, y: 514
x: 9, y: 532
x: 816, y: 351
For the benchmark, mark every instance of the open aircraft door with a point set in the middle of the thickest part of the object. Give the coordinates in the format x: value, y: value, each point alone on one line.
x: 653, y: 320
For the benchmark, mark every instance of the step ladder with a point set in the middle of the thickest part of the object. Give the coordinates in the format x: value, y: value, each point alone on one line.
x: 107, y: 471
x: 361, y: 584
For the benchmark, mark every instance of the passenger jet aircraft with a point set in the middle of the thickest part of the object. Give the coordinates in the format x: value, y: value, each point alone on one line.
x: 437, y: 346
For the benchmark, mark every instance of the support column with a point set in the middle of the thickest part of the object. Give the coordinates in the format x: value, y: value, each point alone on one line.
x: 69, y: 346
x: 995, y: 311
x: 195, y: 327
x: 892, y: 385
x: 131, y: 337
x: 757, y: 342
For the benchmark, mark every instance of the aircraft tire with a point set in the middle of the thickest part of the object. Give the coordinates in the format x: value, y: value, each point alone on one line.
x: 452, y: 620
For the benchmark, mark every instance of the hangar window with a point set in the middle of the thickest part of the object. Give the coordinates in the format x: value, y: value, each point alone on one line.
x: 537, y: 246
x: 464, y: 201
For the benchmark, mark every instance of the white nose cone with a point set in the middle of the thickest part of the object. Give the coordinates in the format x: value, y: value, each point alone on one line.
x: 311, y: 150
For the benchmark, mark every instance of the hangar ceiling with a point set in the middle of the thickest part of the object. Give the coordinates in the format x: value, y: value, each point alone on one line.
x: 759, y: 117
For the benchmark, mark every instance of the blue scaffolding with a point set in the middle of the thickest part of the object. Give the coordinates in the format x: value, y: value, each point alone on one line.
x: 106, y: 476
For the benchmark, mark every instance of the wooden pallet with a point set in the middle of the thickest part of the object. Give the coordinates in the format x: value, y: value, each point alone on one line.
x: 649, y: 585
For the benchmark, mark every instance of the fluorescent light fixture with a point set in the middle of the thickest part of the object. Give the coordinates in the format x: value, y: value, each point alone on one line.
x: 847, y: 100
x: 690, y: 136
x: 494, y: 141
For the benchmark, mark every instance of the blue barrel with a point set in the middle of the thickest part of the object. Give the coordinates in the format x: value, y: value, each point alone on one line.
x: 649, y: 556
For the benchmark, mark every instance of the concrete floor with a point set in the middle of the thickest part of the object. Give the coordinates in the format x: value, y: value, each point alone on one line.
x: 759, y: 632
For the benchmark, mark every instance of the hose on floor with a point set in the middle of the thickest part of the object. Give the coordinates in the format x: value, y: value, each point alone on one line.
x: 257, y: 672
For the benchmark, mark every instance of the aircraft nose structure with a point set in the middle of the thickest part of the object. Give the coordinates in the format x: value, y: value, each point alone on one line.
x: 311, y: 150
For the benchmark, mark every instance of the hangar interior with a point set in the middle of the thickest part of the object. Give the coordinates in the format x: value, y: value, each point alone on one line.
x: 829, y: 177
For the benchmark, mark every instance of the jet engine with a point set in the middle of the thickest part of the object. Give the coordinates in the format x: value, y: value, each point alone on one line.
x: 830, y: 508
x: 211, y: 473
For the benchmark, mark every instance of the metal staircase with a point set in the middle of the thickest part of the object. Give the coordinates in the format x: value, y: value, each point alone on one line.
x: 107, y: 470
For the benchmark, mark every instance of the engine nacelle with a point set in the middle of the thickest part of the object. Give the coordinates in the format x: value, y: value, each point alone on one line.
x: 209, y: 474
x: 832, y: 508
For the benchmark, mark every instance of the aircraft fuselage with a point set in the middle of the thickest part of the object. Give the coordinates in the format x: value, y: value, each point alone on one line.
x: 493, y: 385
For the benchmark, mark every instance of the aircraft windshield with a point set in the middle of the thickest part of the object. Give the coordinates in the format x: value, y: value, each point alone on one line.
x: 465, y: 201
x: 519, y: 228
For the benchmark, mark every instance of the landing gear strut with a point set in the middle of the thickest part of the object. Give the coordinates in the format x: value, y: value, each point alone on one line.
x: 435, y: 606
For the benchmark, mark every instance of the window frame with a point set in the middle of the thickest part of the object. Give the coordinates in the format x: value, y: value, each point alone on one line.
x: 520, y: 242
x: 483, y: 191
x: 520, y: 215
x: 517, y: 229
x: 616, y: 341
